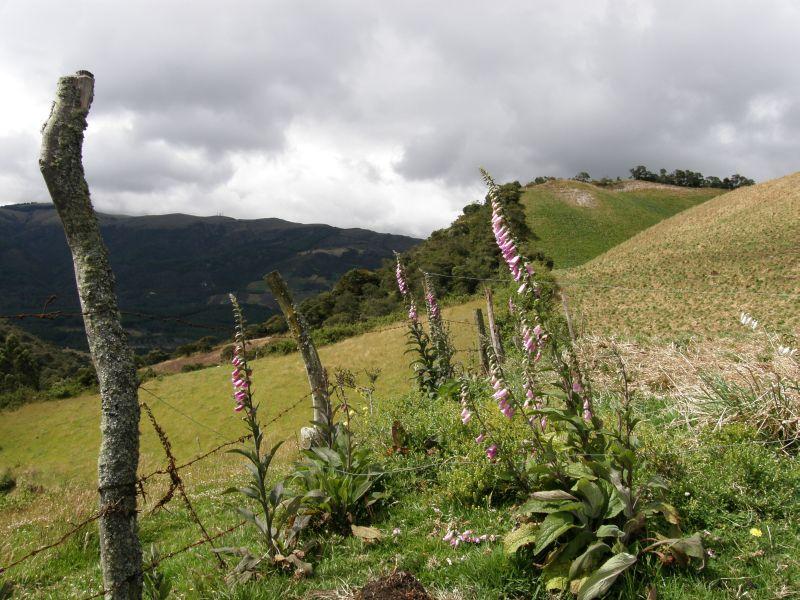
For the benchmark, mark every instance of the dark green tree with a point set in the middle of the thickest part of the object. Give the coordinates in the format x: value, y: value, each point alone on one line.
x: 18, y: 369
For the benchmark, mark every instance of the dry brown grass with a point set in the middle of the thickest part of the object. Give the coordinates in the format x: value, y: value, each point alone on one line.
x: 707, y: 383
x: 695, y: 271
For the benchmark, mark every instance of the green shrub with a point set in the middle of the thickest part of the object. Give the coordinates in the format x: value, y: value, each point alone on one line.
x: 7, y: 481
x: 338, y: 482
x: 281, y: 347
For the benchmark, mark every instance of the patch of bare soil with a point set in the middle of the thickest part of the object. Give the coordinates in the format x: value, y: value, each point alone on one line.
x: 635, y: 184
x: 397, y: 586
x: 207, y: 359
x: 578, y: 196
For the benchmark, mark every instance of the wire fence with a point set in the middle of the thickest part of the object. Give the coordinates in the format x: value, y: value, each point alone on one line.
x: 176, y: 486
x: 173, y: 468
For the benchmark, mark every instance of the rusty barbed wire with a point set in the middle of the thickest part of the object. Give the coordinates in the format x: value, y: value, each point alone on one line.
x: 176, y: 483
x: 75, y: 529
x: 153, y: 565
x: 172, y: 469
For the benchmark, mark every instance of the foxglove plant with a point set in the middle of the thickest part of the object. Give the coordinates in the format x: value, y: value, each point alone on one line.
x: 583, y: 474
x: 439, y: 333
x: 432, y: 353
x: 276, y: 515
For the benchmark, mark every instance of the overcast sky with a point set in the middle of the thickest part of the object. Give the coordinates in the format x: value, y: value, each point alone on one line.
x: 379, y: 114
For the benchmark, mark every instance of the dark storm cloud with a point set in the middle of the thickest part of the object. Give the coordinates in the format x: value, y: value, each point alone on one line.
x: 352, y: 112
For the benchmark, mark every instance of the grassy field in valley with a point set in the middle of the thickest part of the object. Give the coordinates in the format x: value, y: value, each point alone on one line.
x: 57, y: 441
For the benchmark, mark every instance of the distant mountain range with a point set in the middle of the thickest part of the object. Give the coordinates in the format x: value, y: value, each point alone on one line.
x: 175, y: 265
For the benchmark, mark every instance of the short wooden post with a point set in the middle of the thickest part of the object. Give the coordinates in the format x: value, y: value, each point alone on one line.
x: 317, y: 377
x: 62, y: 168
x: 482, y: 340
x: 497, y: 343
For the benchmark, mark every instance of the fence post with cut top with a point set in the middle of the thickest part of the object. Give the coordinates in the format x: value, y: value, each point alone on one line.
x: 61, y: 165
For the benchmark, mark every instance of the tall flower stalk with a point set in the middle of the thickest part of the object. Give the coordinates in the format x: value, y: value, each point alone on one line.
x: 439, y: 333
x: 432, y: 352
x: 534, y: 337
x: 267, y: 499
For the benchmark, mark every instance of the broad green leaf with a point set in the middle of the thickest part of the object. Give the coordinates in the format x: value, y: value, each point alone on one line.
x: 615, y: 505
x: 250, y: 492
x: 361, y: 489
x: 554, y: 525
x: 603, y: 578
x: 580, y: 471
x: 553, y: 495
x: 623, y: 492
x: 556, y: 574
x: 328, y: 455
x: 314, y: 494
x: 534, y: 506
x: 670, y: 512
x: 635, y: 523
x: 577, y: 545
x: 246, y: 453
x: 609, y: 531
x: 691, y: 547
x: 594, y: 496
x: 587, y: 561
x: 524, y: 535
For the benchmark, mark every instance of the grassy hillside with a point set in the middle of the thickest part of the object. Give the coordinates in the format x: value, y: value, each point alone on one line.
x: 695, y: 272
x: 577, y: 221
x: 59, y: 440
x: 726, y: 482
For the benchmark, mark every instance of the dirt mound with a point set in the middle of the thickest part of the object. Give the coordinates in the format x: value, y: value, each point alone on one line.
x: 397, y: 586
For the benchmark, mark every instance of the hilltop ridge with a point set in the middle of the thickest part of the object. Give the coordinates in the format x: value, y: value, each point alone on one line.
x: 176, y: 264
x: 576, y: 221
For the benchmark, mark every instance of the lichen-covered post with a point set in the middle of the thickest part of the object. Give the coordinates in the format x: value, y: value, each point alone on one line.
x: 62, y: 168
x: 317, y: 377
x: 494, y: 332
x: 482, y: 340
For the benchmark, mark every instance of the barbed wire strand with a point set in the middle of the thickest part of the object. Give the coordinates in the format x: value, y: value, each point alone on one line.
x: 153, y: 565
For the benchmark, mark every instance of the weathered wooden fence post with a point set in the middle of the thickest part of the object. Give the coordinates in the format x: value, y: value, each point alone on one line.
x: 497, y: 343
x: 62, y: 168
x: 317, y: 377
x: 482, y: 340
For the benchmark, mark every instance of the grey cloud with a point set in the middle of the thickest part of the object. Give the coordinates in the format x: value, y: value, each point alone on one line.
x: 521, y: 88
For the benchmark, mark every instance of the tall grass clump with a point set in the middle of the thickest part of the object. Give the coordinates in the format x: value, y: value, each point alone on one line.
x: 764, y: 395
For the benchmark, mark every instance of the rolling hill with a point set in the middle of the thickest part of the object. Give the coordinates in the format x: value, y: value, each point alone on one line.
x: 176, y: 264
x: 577, y: 221
x: 691, y: 272
x: 696, y: 271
